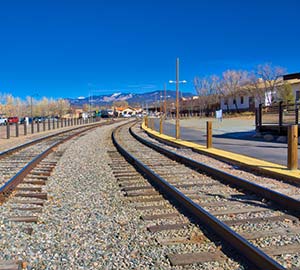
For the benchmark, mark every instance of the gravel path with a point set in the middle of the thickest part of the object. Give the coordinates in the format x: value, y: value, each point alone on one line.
x: 86, y: 223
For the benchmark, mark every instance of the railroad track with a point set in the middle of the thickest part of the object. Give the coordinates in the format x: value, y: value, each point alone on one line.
x: 210, y: 217
x: 24, y: 171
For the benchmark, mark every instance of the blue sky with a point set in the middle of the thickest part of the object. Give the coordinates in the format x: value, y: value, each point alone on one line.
x: 63, y: 48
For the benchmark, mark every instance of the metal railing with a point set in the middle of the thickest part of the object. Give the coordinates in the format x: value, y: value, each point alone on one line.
x: 16, y: 129
x: 278, y: 115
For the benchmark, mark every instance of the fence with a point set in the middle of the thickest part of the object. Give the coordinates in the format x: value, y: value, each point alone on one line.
x: 16, y: 129
x: 277, y: 117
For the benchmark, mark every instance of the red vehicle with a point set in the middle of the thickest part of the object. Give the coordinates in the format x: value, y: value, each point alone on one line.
x: 12, y: 120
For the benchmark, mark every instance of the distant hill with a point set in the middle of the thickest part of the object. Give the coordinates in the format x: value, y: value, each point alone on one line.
x: 143, y: 99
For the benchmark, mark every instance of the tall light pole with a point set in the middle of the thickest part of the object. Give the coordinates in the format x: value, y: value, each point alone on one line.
x: 165, y: 100
x: 177, y: 129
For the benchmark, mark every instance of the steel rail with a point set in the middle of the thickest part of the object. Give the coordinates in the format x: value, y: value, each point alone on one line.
x: 282, y: 200
x: 280, y: 176
x: 13, y: 182
x: 254, y: 255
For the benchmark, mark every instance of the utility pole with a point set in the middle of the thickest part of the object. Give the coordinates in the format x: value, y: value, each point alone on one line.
x: 177, y: 127
x: 177, y: 100
x: 160, y: 103
x: 165, y: 100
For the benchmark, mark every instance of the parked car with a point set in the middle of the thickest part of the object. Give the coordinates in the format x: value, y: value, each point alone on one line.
x: 3, y: 121
x: 12, y: 120
x: 39, y: 119
x: 27, y: 120
x: 104, y: 114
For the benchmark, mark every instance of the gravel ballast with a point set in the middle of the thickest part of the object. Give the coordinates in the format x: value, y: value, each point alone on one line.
x: 86, y: 223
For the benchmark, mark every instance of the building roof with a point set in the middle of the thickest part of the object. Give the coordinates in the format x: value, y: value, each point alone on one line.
x: 291, y: 76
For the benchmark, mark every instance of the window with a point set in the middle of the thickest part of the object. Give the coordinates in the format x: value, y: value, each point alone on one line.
x: 242, y: 100
x: 297, y: 95
x: 234, y: 101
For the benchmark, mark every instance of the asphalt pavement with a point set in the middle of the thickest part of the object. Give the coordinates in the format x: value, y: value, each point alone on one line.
x: 233, y: 135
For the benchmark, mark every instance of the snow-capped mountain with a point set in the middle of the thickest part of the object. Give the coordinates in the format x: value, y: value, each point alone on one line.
x: 148, y: 98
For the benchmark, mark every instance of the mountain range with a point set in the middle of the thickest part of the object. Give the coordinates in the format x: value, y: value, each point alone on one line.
x: 133, y: 99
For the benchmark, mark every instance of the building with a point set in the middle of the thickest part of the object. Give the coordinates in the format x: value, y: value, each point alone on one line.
x: 246, y: 102
x: 128, y: 110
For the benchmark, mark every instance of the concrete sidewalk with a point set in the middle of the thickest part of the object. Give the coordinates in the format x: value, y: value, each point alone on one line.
x: 232, y: 134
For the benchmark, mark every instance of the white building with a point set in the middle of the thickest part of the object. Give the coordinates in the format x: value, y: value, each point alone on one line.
x: 247, y: 102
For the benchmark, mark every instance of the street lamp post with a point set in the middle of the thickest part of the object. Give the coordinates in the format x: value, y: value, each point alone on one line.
x: 165, y: 100
x: 177, y: 128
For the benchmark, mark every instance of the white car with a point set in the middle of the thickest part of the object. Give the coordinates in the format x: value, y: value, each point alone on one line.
x: 3, y: 121
x: 126, y: 115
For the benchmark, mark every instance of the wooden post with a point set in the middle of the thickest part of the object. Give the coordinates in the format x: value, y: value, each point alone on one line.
x: 296, y: 114
x: 161, y: 125
x: 32, y: 126
x: 177, y: 129
x: 25, y: 128
x: 260, y: 116
x: 293, y: 147
x: 7, y: 130
x: 256, y: 119
x: 37, y: 126
x: 49, y: 125
x: 44, y: 124
x: 17, y: 129
x: 280, y: 120
x: 208, y: 134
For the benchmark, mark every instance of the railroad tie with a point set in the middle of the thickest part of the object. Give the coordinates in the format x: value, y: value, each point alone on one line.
x: 37, y: 189
x: 38, y: 195
x: 11, y: 264
x: 32, y: 209
x: 27, y: 219
x: 283, y: 217
x: 195, y: 239
x: 152, y: 207
x: 34, y: 182
x: 192, y: 258
x: 161, y: 216
x: 167, y: 227
x: 34, y: 202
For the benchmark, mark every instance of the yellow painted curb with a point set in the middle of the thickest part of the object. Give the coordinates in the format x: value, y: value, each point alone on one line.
x: 261, y: 165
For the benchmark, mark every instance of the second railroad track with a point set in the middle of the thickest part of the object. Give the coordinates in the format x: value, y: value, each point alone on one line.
x: 202, y: 214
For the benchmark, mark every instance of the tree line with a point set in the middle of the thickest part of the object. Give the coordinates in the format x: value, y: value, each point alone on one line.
x: 264, y: 82
x: 14, y: 106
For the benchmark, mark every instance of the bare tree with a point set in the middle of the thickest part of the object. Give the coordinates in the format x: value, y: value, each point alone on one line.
x: 63, y: 106
x: 254, y: 88
x: 206, y: 89
x: 271, y: 78
x: 231, y: 85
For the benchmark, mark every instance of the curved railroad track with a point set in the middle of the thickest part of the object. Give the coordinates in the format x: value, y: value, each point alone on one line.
x: 18, y: 162
x: 211, y: 216
x: 24, y: 171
